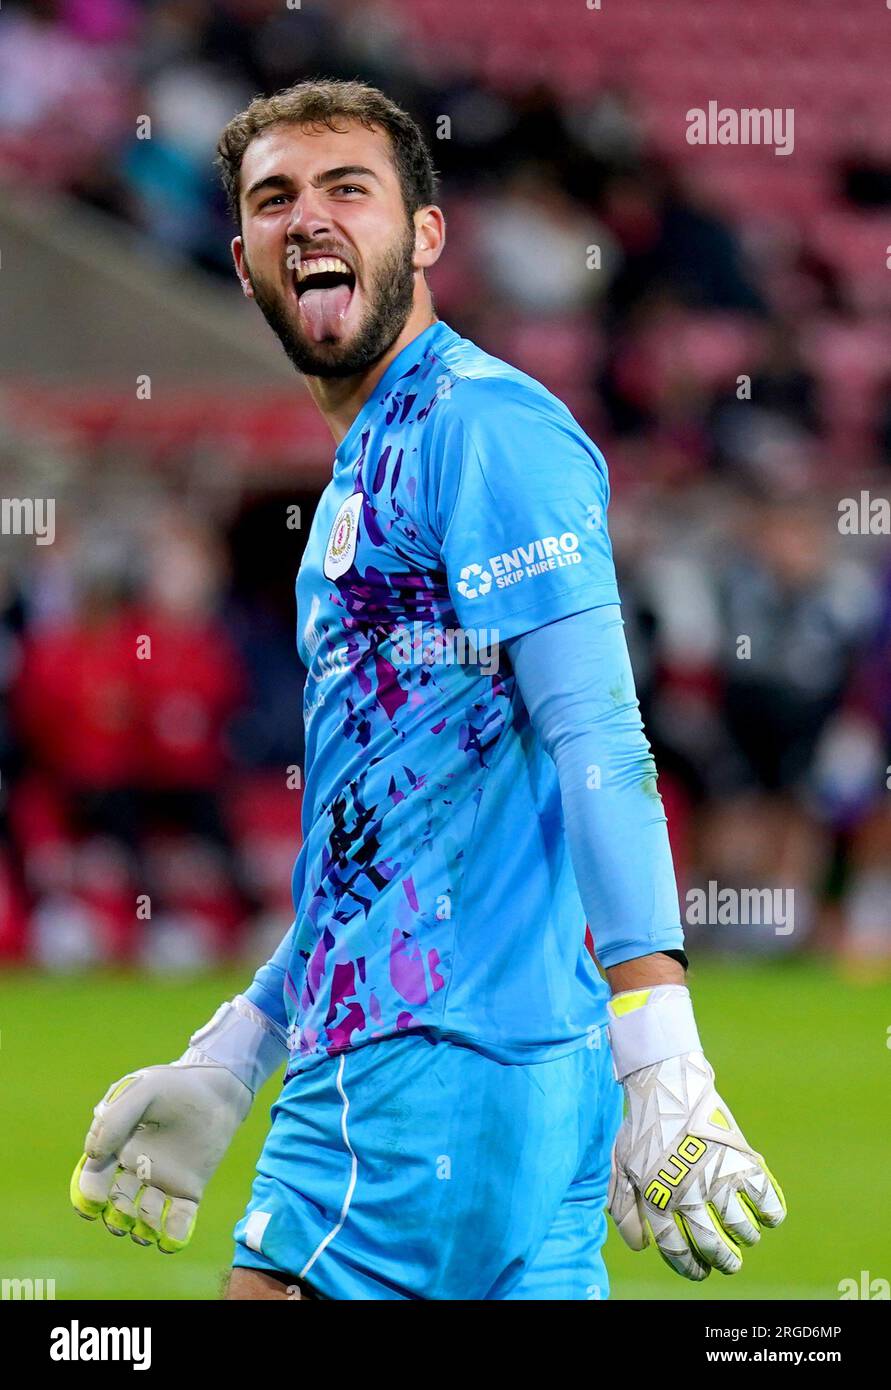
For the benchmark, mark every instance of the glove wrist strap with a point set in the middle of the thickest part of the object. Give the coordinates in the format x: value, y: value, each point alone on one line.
x: 650, y: 1025
x: 241, y: 1038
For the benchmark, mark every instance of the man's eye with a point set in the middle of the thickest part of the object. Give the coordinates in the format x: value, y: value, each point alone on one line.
x: 278, y: 197
x: 348, y: 188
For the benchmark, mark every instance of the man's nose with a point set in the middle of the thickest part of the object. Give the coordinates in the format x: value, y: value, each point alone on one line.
x: 308, y: 218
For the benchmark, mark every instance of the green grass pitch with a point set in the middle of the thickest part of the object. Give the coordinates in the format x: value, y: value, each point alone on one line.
x: 802, y: 1057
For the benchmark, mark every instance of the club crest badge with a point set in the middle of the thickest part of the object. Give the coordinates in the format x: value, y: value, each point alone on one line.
x: 341, y: 548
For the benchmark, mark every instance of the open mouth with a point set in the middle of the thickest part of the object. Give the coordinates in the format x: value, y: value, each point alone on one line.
x: 324, y: 287
x: 323, y: 273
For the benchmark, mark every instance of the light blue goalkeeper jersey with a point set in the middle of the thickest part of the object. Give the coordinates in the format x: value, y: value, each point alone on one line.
x: 434, y: 888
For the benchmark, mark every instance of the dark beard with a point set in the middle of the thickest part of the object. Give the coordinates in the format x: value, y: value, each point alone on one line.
x: 388, y: 304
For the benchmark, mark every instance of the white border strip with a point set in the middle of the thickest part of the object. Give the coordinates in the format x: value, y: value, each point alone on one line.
x: 352, y: 1183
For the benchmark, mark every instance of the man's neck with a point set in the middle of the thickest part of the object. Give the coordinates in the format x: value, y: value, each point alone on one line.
x: 341, y: 398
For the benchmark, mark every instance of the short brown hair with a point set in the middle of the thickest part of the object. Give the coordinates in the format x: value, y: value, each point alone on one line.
x: 323, y: 102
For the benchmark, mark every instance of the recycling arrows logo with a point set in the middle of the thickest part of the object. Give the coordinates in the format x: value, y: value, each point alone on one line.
x: 483, y: 582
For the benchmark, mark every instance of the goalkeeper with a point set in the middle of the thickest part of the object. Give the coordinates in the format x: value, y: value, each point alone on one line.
x: 450, y: 1125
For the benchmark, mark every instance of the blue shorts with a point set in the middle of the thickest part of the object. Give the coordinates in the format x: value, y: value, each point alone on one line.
x: 419, y: 1168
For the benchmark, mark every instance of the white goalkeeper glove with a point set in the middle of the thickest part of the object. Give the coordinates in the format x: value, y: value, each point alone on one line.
x: 682, y: 1173
x: 159, y: 1134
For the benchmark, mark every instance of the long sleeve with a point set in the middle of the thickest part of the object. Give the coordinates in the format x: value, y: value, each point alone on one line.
x: 575, y: 678
x: 266, y: 991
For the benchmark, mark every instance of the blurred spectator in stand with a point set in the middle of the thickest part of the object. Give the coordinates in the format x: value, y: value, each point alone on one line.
x: 64, y: 85
x: 262, y: 617
x: 783, y: 387
x: 653, y: 386
x: 168, y: 166
x: 189, y: 683
x: 75, y: 711
x: 671, y: 240
x: 854, y: 774
x: 533, y: 241
x: 767, y: 432
x: 793, y: 615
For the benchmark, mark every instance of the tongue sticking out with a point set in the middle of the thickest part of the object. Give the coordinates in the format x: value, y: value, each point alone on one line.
x: 324, y: 311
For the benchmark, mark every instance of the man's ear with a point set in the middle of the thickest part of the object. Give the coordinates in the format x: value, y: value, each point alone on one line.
x: 241, y: 267
x: 429, y: 236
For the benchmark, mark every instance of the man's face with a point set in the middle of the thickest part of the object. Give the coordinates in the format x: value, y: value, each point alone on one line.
x: 327, y: 248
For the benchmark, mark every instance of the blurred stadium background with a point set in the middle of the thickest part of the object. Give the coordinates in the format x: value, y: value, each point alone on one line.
x: 150, y: 402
